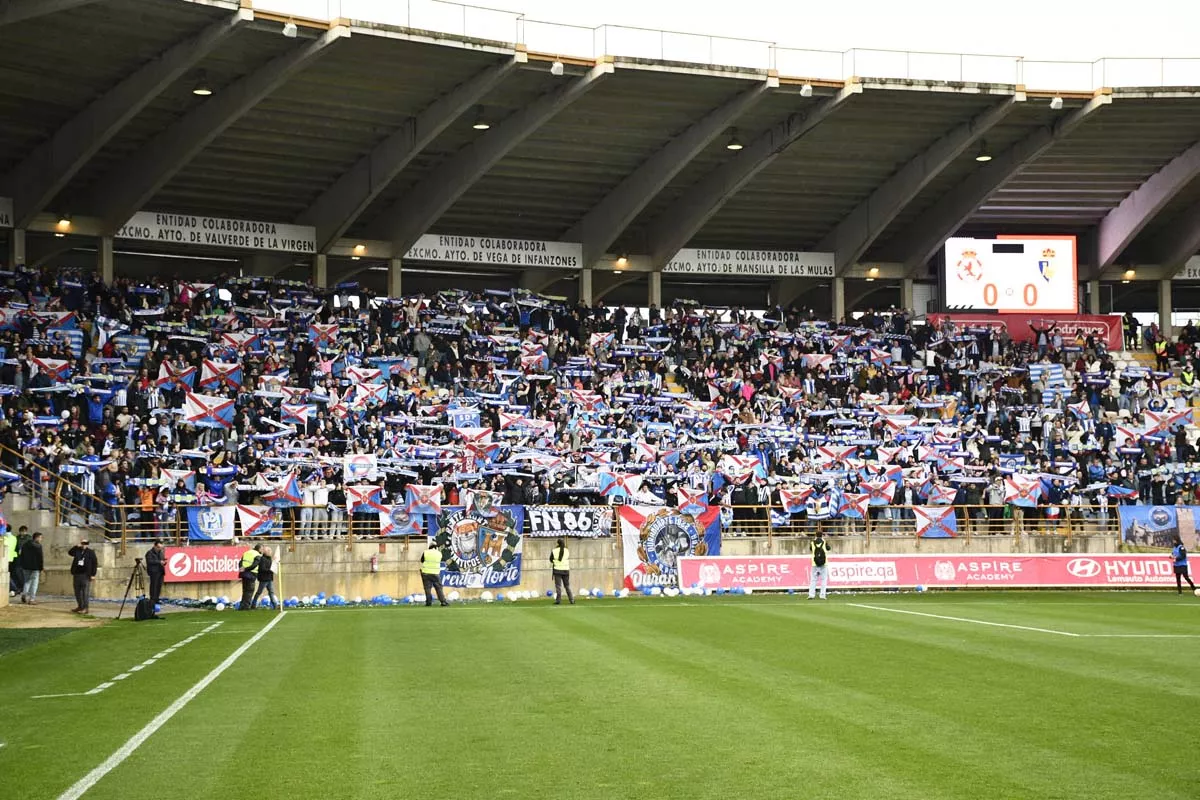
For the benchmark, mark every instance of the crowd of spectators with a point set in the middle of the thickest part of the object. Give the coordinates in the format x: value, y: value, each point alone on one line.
x: 111, y: 400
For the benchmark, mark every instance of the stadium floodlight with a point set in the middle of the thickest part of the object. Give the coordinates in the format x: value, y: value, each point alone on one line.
x: 1056, y: 103
x: 557, y: 68
x: 983, y: 155
x: 734, y: 142
x: 290, y: 30
x: 202, y: 88
x: 806, y: 90
x: 480, y: 124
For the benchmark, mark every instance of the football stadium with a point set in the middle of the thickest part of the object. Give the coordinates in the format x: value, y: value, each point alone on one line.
x: 665, y: 414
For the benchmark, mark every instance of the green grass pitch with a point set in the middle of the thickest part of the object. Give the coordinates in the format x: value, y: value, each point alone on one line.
x: 1063, y: 695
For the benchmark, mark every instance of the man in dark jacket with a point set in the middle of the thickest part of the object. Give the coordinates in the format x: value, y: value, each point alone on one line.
x: 156, y: 569
x: 83, y: 571
x: 266, y: 578
x: 32, y: 565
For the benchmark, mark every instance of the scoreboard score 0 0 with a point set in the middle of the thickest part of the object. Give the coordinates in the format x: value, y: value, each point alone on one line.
x: 1012, y: 274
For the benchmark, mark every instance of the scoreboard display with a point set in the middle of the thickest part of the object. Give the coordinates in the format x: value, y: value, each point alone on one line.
x: 1012, y: 274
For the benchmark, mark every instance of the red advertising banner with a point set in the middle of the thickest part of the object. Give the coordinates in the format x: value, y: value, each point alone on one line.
x: 205, y: 563
x: 1106, y: 327
x: 938, y: 570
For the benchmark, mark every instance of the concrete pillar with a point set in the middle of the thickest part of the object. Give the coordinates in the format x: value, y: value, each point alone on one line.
x: 585, y: 286
x: 320, y: 272
x: 839, y: 299
x: 906, y: 294
x: 656, y: 288
x: 1164, y: 307
x: 16, y: 247
x: 395, y: 274
x: 1093, y: 289
x: 104, y: 259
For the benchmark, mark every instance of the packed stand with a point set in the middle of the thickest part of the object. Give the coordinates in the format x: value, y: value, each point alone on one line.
x: 322, y: 408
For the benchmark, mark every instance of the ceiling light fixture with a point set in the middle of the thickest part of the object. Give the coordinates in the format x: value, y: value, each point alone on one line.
x: 480, y: 124
x: 1056, y: 103
x: 806, y: 90
x: 290, y: 30
x: 202, y: 88
x: 360, y: 249
x: 557, y: 68
x: 734, y: 142
x: 983, y: 156
x: 623, y: 261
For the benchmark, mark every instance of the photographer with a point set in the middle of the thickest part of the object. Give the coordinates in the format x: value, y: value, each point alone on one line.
x: 156, y: 569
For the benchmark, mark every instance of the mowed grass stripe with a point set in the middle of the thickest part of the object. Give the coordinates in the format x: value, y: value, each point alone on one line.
x: 772, y: 688
x: 51, y: 743
x: 1047, y: 696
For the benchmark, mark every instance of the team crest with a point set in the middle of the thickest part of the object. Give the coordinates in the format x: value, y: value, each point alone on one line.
x: 969, y: 267
x: 1046, y: 265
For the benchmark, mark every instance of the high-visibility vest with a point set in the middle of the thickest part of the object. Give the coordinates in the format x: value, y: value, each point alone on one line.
x: 1188, y: 377
x: 431, y: 562
x: 1160, y: 347
x: 563, y: 563
x: 248, y: 558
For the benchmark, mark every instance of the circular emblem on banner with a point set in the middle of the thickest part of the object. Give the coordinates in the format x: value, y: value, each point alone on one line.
x: 400, y: 518
x: 358, y: 467
x: 664, y: 537
x: 944, y: 570
x: 179, y: 564
x: 1160, y: 517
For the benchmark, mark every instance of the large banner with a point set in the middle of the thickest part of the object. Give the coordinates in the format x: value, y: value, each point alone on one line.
x: 580, y: 522
x: 192, y: 564
x: 210, y: 523
x: 1105, y: 327
x: 653, y: 539
x: 481, y: 547
x: 1157, y: 526
x: 937, y: 570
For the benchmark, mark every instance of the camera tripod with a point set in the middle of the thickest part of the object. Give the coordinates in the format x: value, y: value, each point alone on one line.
x: 137, y: 579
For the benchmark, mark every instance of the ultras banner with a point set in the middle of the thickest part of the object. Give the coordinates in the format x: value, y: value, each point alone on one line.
x: 580, y: 522
x: 653, y: 539
x: 481, y: 547
x: 1157, y: 526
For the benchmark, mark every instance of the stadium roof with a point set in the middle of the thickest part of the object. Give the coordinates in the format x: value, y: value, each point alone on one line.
x: 367, y: 132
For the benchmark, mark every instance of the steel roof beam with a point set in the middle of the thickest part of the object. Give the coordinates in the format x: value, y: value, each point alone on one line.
x: 414, y: 213
x: 20, y: 10
x: 1122, y: 225
x: 38, y: 178
x: 955, y: 208
x: 678, y: 224
x: 135, y: 181
x: 342, y: 203
x: 1180, y: 241
x: 855, y: 234
x: 612, y: 215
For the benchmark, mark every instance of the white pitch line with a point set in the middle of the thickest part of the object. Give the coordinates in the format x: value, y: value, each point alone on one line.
x: 136, y: 668
x: 1141, y: 635
x: 128, y: 749
x: 964, y: 619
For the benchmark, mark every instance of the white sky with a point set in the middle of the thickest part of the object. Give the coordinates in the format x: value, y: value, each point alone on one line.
x: 1036, y: 29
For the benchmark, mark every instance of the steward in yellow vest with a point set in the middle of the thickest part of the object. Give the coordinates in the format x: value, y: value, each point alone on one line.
x: 431, y: 575
x: 560, y: 564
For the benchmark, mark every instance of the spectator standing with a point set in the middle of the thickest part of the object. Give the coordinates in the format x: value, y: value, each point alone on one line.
x: 560, y: 564
x: 84, y: 567
x: 431, y: 575
x: 32, y: 564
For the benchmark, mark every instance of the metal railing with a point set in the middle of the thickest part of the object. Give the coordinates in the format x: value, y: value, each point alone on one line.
x: 62, y: 494
x: 508, y: 27
x: 134, y: 523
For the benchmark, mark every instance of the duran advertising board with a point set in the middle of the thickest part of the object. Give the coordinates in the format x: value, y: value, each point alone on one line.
x: 1108, y: 570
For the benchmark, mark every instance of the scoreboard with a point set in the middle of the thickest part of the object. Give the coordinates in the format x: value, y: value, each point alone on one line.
x: 1012, y: 274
